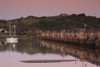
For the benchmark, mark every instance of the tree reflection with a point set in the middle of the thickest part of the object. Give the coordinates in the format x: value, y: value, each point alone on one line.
x: 32, y: 46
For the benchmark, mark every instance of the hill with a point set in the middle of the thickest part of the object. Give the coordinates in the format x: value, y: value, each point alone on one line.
x: 29, y: 24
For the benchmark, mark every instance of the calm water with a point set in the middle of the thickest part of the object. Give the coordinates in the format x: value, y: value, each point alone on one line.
x: 30, y: 49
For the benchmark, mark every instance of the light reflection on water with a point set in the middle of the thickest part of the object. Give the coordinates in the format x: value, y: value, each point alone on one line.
x: 31, y: 49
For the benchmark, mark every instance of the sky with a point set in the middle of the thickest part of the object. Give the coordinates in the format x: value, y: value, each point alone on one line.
x: 12, y: 9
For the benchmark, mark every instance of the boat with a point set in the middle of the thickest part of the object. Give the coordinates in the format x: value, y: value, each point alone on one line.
x: 46, y: 61
x: 12, y: 38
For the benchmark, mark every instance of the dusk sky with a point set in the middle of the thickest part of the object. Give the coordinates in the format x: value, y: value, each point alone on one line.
x: 11, y: 9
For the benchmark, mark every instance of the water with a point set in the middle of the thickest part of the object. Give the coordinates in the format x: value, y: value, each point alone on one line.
x: 30, y: 49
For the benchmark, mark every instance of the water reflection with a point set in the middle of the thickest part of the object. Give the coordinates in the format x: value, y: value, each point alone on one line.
x: 47, y: 51
x: 84, y: 54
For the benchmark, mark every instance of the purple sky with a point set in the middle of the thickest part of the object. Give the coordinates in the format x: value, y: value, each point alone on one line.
x: 10, y: 9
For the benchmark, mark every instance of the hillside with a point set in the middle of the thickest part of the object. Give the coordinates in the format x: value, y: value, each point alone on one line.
x: 63, y: 21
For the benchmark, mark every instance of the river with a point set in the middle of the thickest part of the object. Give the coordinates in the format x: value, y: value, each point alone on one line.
x: 32, y: 52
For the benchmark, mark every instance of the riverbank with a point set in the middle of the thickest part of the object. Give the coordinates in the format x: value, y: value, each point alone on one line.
x: 80, y: 38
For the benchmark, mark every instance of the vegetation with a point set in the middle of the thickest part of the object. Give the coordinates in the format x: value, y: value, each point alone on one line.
x: 30, y: 24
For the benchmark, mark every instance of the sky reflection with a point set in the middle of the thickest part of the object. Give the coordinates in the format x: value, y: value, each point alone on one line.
x: 32, y: 50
